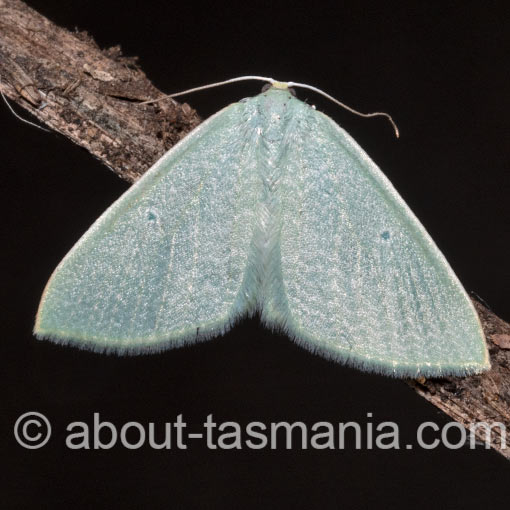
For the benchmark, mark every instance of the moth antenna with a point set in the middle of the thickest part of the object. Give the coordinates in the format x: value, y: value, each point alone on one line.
x: 280, y: 84
x: 346, y: 107
x: 210, y: 86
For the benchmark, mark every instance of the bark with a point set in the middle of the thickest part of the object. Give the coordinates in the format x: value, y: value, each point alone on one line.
x: 87, y: 94
x: 91, y: 96
x: 479, y: 398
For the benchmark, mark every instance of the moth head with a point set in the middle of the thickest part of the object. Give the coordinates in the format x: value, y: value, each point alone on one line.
x: 280, y: 85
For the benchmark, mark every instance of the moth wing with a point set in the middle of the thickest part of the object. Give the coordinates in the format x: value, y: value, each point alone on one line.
x: 165, y: 263
x: 364, y: 282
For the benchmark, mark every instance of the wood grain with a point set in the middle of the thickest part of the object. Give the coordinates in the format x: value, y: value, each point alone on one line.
x: 90, y: 95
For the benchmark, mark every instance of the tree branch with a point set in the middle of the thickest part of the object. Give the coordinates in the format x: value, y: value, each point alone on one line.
x: 91, y: 96
x: 87, y: 94
x: 479, y: 398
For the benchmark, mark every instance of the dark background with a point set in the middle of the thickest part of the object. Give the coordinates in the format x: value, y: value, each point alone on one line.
x: 442, y: 72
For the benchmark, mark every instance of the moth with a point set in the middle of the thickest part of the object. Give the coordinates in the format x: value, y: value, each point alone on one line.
x: 269, y: 208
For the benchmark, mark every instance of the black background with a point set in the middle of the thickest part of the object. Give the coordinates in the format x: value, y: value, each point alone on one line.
x: 442, y: 72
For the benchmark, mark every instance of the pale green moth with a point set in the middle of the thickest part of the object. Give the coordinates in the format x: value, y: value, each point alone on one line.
x: 267, y: 207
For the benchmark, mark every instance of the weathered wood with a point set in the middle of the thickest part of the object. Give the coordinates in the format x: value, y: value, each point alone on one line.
x: 91, y: 96
x: 87, y: 94
x: 479, y: 398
